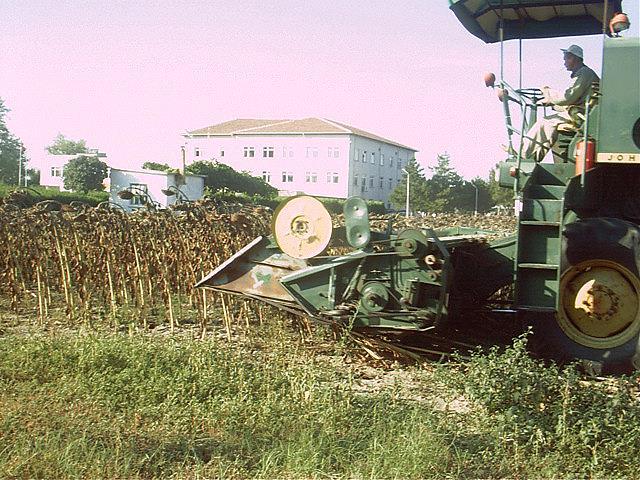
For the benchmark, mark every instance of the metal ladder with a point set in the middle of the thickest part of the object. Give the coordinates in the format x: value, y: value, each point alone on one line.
x: 537, y: 266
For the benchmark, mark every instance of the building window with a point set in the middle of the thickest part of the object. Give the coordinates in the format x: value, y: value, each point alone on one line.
x: 333, y: 152
x: 287, y: 152
x: 355, y: 180
x: 267, y: 152
x: 249, y: 152
x: 382, y: 159
x: 222, y: 153
x: 399, y: 164
x: 357, y: 157
x: 287, y: 177
x: 140, y: 194
x: 381, y: 182
x: 332, y: 177
x: 390, y: 183
x: 266, y: 176
x: 310, y: 177
x: 364, y: 157
x: 373, y: 158
x: 391, y: 161
x: 196, y: 151
x: 312, y: 152
x: 56, y: 171
x: 371, y: 182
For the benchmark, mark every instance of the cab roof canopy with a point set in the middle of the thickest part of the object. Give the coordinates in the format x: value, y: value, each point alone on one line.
x: 533, y: 18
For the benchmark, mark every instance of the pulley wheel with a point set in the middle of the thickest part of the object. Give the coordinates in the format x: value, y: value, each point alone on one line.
x: 301, y: 227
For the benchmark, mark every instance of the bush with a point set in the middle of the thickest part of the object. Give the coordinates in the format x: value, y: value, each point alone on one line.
x: 83, y: 174
x: 335, y: 205
x: 558, y: 420
x: 92, y: 198
x: 222, y: 177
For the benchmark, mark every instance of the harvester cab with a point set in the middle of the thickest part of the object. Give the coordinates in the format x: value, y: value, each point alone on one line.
x: 572, y: 268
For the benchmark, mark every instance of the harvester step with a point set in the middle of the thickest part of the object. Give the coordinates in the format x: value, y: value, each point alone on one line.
x: 542, y: 223
x: 549, y: 192
x: 543, y: 266
x: 543, y: 209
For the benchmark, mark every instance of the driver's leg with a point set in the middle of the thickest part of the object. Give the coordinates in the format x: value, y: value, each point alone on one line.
x: 539, y: 139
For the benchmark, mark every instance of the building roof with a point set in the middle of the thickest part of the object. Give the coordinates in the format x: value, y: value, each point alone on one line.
x: 304, y: 126
x: 233, y: 127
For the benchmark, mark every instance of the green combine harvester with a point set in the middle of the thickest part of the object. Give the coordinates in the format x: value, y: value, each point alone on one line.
x: 571, y: 270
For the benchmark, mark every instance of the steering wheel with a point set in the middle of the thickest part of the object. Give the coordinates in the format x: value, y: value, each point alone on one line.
x: 532, y: 95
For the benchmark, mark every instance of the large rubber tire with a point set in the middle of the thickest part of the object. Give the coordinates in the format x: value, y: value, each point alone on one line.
x: 610, y: 244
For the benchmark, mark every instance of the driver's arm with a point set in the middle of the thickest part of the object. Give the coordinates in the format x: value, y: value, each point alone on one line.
x: 575, y: 92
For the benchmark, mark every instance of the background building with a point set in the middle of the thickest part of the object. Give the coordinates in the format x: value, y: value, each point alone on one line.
x: 148, y: 185
x: 51, y: 167
x: 315, y: 156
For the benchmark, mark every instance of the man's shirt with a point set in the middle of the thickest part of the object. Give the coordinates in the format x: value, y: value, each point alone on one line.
x: 577, y: 93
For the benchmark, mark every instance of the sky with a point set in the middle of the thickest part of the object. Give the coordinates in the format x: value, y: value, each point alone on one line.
x: 131, y: 77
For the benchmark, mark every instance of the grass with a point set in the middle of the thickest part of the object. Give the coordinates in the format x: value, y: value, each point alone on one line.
x: 141, y: 407
x: 264, y: 406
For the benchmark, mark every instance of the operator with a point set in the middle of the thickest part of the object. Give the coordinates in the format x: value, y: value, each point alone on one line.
x: 544, y: 132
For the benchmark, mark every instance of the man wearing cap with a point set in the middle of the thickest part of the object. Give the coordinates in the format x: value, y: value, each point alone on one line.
x: 543, y: 134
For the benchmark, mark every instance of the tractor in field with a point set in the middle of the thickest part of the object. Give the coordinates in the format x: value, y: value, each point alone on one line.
x: 572, y: 268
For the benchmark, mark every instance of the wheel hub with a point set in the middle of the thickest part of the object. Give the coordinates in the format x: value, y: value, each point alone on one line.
x: 600, y: 303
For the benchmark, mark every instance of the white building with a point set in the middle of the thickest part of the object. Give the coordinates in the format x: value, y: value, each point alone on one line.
x: 148, y: 185
x: 51, y: 167
x: 315, y: 156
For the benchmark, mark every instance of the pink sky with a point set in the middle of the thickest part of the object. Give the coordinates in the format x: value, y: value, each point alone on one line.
x: 129, y: 77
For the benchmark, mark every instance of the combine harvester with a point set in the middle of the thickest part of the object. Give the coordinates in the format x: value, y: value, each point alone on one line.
x: 571, y: 270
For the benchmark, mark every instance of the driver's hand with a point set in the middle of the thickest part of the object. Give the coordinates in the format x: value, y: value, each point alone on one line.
x: 545, y: 100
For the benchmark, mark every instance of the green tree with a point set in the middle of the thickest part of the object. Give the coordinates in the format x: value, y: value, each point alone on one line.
x: 499, y: 195
x: 160, y: 167
x: 10, y: 147
x: 468, y: 192
x: 220, y: 176
x: 33, y: 176
x: 445, y: 186
x: 418, y: 192
x: 64, y: 146
x: 84, y: 173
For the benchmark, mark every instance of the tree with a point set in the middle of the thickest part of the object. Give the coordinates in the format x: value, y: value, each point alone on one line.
x: 444, y: 186
x: 220, y: 176
x: 10, y: 148
x: 417, y: 188
x: 64, y: 146
x: 499, y: 195
x: 32, y: 177
x: 84, y: 173
x: 160, y: 167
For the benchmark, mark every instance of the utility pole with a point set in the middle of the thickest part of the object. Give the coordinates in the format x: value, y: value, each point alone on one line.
x: 406, y: 211
x: 475, y: 209
x: 20, y: 167
x: 475, y: 205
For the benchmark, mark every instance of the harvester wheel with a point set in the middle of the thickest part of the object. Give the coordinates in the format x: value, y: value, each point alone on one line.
x: 598, y: 319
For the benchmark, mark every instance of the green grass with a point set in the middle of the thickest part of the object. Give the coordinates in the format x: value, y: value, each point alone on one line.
x: 263, y: 407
